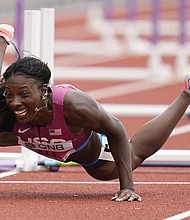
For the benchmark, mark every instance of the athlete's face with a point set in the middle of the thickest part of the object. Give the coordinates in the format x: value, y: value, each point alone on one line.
x: 23, y: 95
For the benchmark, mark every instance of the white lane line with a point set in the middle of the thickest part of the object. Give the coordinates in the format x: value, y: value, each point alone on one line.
x: 88, y: 182
x: 180, y: 216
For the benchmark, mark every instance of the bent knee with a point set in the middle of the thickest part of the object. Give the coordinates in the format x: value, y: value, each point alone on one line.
x: 108, y: 171
x: 136, y: 159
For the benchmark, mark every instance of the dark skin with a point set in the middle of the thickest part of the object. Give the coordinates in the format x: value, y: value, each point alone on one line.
x: 24, y: 94
x: 81, y: 111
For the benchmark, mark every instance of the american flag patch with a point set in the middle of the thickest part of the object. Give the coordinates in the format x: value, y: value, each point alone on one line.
x: 55, y: 131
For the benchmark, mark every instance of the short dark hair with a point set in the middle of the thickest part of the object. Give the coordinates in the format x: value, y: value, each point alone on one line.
x: 30, y: 67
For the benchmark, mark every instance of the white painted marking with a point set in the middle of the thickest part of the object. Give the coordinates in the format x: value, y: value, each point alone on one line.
x: 9, y: 173
x: 89, y: 182
x: 180, y: 216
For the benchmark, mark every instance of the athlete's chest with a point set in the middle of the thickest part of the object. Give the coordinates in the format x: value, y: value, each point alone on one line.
x: 51, y: 139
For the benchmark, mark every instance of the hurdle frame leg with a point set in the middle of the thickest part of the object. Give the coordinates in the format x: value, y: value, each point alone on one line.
x: 39, y: 41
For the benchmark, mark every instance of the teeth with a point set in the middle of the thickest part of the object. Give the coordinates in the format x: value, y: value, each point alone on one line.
x: 21, y: 112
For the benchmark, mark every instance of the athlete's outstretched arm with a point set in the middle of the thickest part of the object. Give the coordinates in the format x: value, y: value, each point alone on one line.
x: 84, y: 112
x: 8, y: 139
x: 154, y: 133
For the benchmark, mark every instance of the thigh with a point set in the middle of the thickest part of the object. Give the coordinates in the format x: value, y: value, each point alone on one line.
x: 108, y: 171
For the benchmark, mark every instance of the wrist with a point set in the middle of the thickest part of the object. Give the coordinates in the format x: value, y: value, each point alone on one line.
x: 128, y: 186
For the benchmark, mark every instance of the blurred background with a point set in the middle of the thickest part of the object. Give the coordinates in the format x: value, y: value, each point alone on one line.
x: 141, y: 33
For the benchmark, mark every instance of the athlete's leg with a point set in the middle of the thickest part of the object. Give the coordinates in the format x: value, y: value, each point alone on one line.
x: 6, y: 36
x: 148, y: 139
x: 153, y: 134
x: 3, y: 46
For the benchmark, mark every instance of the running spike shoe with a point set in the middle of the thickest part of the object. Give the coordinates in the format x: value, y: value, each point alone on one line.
x: 7, y: 32
x: 187, y: 84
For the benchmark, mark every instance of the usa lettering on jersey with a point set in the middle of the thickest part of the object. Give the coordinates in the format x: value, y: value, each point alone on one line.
x: 58, y: 145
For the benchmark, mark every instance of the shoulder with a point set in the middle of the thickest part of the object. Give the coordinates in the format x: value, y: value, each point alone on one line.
x: 59, y: 92
x: 80, y: 99
x: 62, y: 87
x: 80, y: 106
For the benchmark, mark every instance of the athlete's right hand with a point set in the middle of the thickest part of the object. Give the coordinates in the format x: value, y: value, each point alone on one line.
x: 126, y: 195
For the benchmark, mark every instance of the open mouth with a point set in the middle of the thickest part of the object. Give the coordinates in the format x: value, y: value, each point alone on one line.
x: 20, y: 113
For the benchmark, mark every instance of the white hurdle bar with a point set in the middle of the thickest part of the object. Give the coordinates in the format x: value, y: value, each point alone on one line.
x: 162, y: 158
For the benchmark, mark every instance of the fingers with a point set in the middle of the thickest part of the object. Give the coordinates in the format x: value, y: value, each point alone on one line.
x: 115, y: 196
x: 126, y: 195
x: 134, y: 198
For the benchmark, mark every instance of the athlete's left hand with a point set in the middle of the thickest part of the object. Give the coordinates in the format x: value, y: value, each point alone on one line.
x: 126, y: 195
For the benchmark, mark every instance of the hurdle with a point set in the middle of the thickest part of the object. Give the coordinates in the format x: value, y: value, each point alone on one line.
x: 182, y: 62
x: 39, y: 42
x: 19, y: 24
x: 155, y: 28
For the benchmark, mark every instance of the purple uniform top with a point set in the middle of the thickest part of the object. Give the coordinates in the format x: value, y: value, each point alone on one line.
x: 55, y: 140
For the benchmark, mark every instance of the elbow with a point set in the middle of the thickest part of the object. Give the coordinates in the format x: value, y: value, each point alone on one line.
x: 8, y: 139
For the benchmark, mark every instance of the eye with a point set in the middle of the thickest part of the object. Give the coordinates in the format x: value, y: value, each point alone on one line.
x: 25, y: 94
x: 7, y: 94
